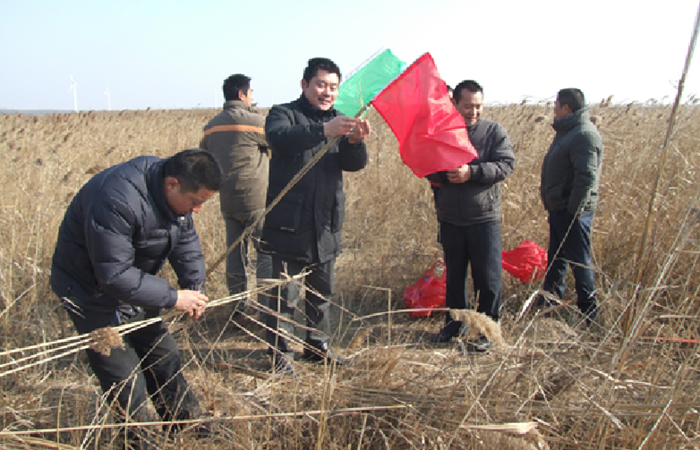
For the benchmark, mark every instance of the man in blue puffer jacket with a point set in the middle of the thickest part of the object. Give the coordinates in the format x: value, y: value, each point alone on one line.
x: 116, y: 235
x: 569, y: 190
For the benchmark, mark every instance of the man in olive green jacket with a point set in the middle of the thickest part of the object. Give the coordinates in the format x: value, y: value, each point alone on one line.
x: 569, y: 191
x: 236, y: 137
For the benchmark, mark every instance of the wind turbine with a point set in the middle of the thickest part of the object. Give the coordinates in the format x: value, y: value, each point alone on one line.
x: 109, y: 104
x: 73, y: 84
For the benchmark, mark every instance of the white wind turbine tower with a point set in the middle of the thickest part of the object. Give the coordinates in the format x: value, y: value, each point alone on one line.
x: 109, y: 104
x: 73, y: 84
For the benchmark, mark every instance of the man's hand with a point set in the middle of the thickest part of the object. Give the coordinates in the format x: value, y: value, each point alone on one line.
x: 339, y: 126
x: 460, y: 174
x: 192, y: 302
x: 360, y: 132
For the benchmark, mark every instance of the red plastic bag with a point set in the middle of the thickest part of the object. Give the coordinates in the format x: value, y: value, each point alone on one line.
x: 527, y: 262
x: 428, y: 292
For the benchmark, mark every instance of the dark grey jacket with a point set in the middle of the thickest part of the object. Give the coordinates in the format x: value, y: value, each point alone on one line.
x: 236, y: 137
x: 571, y: 167
x: 306, y: 225
x: 479, y: 199
x: 116, y: 235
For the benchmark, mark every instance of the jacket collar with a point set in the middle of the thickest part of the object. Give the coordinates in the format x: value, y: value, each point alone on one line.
x: 312, y: 112
x: 155, y: 187
x: 233, y: 104
x: 568, y: 122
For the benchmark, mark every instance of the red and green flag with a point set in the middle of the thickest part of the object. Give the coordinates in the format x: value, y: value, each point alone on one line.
x: 362, y: 85
x: 417, y: 107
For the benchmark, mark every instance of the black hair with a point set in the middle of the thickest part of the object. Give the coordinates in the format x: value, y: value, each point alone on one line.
x: 235, y: 84
x: 571, y: 97
x: 316, y: 64
x: 194, y: 169
x: 470, y: 85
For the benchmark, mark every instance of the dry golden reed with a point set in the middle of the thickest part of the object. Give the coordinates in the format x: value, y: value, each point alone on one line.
x: 104, y: 340
x: 479, y: 324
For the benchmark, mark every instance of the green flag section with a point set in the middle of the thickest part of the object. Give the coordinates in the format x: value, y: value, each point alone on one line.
x: 364, y: 84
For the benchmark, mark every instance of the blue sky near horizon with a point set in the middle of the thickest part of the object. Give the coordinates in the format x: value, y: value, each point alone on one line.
x: 176, y: 54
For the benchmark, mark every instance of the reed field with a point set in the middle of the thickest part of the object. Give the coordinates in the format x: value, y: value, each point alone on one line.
x: 553, y: 382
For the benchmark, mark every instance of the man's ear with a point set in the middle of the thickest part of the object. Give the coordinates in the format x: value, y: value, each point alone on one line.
x: 453, y: 101
x: 171, y: 184
x: 241, y: 95
x: 304, y: 84
x: 567, y: 109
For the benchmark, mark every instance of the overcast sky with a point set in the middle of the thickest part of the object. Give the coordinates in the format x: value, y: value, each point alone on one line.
x: 175, y: 54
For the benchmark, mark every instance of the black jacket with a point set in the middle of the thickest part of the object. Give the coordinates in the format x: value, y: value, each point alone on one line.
x: 306, y: 225
x: 116, y: 235
x: 479, y: 199
x: 571, y: 167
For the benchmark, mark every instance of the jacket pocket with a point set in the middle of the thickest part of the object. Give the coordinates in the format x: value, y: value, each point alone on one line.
x: 338, y: 211
x: 286, y: 215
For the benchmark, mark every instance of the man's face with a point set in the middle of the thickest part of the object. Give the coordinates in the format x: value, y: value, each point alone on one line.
x: 322, y: 90
x: 185, y: 203
x: 560, y: 110
x: 470, y: 106
x: 246, y: 98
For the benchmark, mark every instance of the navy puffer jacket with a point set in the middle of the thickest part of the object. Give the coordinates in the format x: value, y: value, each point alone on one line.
x: 117, y: 234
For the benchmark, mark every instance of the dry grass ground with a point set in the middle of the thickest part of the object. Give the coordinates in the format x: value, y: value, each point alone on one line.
x: 584, y: 387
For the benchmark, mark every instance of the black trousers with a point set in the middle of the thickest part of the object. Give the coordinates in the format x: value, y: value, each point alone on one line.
x: 149, y: 366
x: 480, y: 246
x: 237, y: 260
x: 570, y: 241
x: 321, y: 280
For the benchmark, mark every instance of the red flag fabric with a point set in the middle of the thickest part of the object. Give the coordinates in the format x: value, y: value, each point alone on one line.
x: 431, y: 133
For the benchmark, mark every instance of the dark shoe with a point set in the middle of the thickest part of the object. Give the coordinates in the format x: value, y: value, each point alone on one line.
x: 200, y: 431
x: 591, y: 314
x: 284, y: 365
x: 320, y: 352
x: 479, y: 345
x: 137, y: 439
x: 448, y: 332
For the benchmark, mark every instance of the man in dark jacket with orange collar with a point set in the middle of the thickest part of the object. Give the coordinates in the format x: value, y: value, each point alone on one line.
x: 304, y: 230
x: 236, y: 137
x: 117, y: 233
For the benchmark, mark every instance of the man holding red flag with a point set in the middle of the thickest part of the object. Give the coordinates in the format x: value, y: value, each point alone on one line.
x: 469, y: 211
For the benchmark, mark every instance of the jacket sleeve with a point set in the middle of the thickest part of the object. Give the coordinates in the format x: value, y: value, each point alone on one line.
x: 499, y: 162
x: 287, y: 138
x: 187, y: 258
x: 261, y: 142
x: 353, y: 157
x: 108, y: 238
x: 584, y: 156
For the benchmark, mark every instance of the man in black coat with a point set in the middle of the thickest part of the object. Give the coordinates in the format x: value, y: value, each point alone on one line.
x: 116, y: 235
x: 303, y: 231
